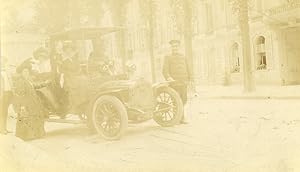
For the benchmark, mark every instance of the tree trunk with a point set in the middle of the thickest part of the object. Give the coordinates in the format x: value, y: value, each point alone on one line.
x: 188, y: 42
x: 118, y: 9
x: 247, y: 63
x: 151, y: 19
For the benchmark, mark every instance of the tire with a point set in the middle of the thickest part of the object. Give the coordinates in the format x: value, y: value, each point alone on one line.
x: 109, y: 117
x: 175, y: 113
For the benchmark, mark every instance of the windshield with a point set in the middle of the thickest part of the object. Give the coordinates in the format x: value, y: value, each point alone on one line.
x: 91, y: 54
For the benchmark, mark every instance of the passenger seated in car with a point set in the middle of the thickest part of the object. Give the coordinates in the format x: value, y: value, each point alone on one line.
x: 70, y: 64
x: 73, y: 82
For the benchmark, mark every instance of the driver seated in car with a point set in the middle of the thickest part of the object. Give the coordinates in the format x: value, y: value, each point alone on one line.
x: 97, y: 64
x: 98, y: 60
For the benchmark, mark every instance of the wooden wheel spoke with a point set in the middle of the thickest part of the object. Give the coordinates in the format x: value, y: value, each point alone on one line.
x: 109, y: 117
x: 168, y: 113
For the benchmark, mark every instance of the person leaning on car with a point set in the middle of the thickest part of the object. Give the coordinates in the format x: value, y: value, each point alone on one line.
x: 29, y: 109
x: 175, y: 68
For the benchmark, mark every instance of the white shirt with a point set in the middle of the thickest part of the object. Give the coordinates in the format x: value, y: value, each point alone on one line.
x: 44, y: 66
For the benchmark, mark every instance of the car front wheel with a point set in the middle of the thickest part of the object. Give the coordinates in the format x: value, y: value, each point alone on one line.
x: 109, y: 117
x: 169, y: 107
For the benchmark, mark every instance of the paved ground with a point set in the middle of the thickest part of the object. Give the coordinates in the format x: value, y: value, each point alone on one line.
x: 223, y: 136
x: 260, y: 92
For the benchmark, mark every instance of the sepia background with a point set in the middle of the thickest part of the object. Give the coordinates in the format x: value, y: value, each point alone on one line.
x: 243, y: 106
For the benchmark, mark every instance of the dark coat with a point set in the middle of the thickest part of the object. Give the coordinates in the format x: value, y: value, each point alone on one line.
x: 176, y: 66
x: 28, y: 106
x: 70, y: 67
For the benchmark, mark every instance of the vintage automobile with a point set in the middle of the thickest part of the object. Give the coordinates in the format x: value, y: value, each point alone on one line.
x: 106, y: 103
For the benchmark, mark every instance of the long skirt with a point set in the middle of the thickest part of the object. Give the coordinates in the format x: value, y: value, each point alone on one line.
x: 31, y: 114
x: 30, y: 128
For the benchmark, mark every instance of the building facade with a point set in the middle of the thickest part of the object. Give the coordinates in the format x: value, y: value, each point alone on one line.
x: 137, y: 35
x: 274, y: 39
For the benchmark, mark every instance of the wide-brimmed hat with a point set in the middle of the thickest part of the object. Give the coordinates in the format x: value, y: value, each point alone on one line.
x: 27, y: 64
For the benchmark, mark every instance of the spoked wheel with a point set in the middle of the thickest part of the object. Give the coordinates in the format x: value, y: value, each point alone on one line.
x: 169, y: 108
x: 109, y: 117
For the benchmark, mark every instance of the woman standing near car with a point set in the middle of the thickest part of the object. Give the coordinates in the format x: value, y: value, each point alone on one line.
x: 30, y: 120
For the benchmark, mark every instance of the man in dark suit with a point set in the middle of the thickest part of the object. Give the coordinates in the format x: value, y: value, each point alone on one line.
x: 176, y: 68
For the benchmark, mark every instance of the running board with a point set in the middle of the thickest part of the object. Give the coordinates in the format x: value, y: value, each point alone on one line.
x: 68, y: 121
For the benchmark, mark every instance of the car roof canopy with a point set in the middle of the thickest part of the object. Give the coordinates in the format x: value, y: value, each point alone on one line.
x: 84, y: 33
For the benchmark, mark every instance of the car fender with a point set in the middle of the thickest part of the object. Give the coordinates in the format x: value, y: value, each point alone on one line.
x: 171, y: 84
x: 105, y: 92
x: 156, y: 86
x: 161, y: 84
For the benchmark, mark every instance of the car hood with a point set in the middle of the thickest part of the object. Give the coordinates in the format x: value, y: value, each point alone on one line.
x: 122, y: 84
x: 118, y: 84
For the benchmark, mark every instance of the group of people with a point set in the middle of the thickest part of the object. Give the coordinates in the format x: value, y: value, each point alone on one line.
x: 35, y: 73
x: 31, y: 74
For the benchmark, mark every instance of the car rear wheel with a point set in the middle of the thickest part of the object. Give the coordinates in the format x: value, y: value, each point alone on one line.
x: 169, y: 107
x: 109, y: 117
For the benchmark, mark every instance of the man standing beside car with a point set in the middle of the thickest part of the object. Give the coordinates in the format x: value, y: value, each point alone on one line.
x: 5, y: 96
x: 175, y: 68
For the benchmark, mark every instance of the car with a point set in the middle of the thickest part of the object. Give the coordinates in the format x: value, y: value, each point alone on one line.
x: 106, y: 103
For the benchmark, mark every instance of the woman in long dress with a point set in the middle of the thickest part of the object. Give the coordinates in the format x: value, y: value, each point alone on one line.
x: 31, y: 114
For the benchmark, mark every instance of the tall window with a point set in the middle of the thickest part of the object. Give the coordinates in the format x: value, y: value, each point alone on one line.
x: 209, y: 18
x: 261, y: 57
x: 235, y: 60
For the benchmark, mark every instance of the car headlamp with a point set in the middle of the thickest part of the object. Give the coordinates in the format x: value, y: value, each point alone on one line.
x: 111, y: 63
x: 105, y: 68
x: 133, y: 67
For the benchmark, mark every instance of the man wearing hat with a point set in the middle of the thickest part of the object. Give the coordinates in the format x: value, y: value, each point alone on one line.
x: 175, y: 68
